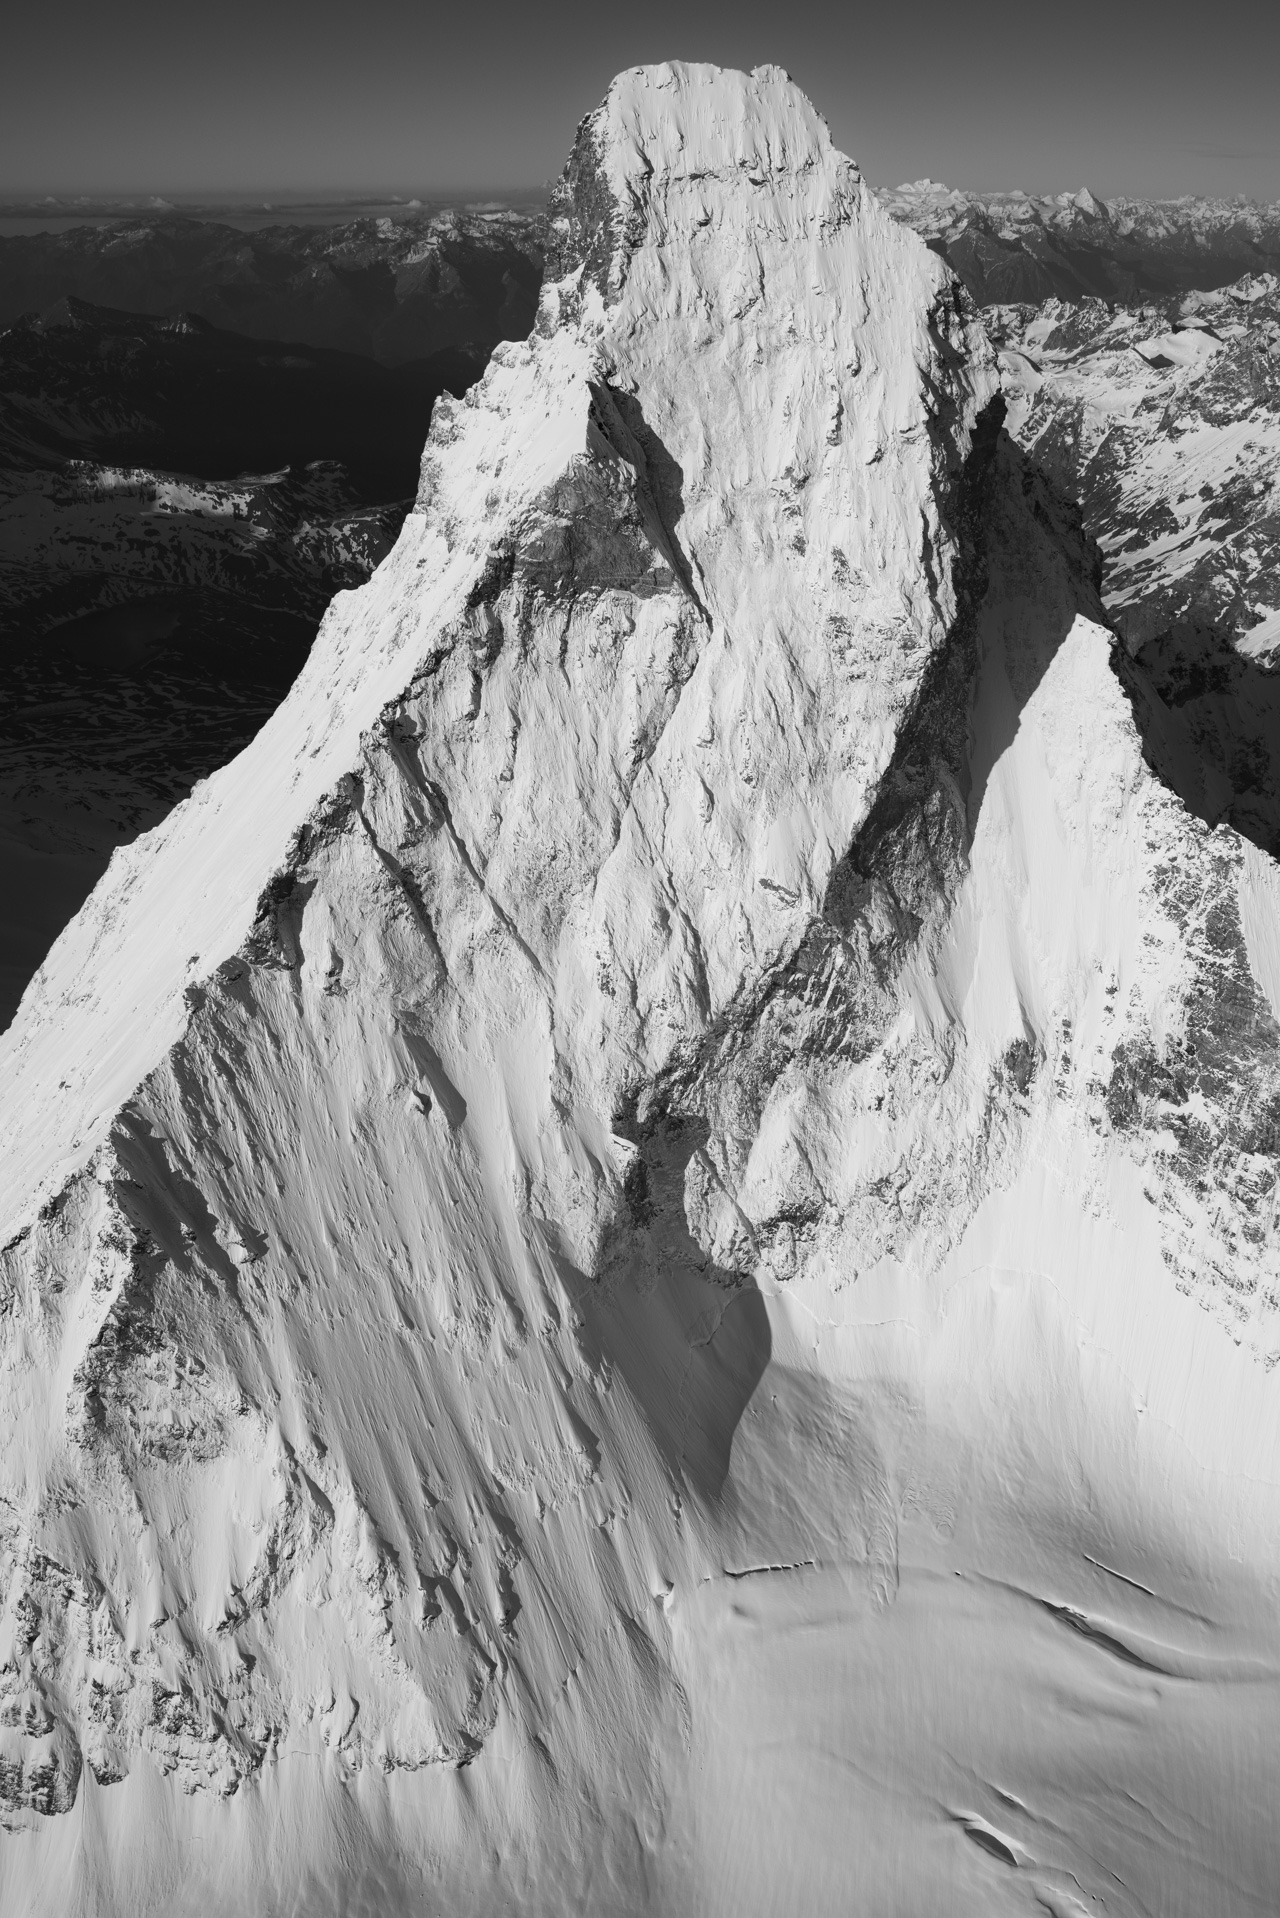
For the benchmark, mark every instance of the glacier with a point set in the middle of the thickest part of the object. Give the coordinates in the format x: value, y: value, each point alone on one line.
x: 638, y: 1254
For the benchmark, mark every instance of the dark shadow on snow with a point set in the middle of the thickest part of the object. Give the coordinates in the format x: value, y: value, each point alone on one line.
x: 1210, y: 723
x: 690, y: 1338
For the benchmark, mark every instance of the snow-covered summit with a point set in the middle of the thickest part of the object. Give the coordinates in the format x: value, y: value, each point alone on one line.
x: 667, y: 143
x: 591, y: 1228
x: 778, y: 376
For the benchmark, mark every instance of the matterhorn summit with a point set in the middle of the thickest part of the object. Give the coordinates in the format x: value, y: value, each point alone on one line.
x: 639, y: 1253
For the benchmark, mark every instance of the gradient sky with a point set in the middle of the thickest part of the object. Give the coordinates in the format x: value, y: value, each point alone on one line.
x: 287, y: 96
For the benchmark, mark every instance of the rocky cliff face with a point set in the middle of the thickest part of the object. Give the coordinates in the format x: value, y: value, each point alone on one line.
x: 639, y: 1251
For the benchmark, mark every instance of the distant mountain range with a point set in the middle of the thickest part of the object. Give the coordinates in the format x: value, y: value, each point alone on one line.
x: 1071, y: 246
x: 403, y: 289
x: 395, y: 290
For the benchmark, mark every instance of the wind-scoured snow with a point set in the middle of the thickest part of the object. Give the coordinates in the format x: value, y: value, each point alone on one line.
x: 640, y: 1250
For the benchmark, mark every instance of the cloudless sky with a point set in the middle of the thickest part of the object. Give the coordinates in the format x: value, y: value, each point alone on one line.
x: 314, y: 96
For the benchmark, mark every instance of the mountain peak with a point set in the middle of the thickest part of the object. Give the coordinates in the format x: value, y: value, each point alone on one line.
x: 780, y: 375
x: 683, y: 1053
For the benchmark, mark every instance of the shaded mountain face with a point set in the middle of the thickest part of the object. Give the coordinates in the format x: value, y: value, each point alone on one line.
x: 1009, y: 247
x: 638, y: 1253
x: 177, y: 507
x: 126, y: 389
x: 395, y: 292
x: 1164, y: 422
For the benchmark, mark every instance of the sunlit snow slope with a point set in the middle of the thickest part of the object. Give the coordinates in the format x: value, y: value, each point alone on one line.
x: 640, y: 1251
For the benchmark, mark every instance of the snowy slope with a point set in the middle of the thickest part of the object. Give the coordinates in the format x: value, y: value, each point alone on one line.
x: 639, y: 1251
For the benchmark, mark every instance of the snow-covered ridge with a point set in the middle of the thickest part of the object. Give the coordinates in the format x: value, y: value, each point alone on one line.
x: 665, y: 1192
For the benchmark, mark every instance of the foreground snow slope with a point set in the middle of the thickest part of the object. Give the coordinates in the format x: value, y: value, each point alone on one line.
x: 639, y: 1252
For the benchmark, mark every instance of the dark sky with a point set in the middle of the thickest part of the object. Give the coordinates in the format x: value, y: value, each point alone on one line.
x: 309, y: 95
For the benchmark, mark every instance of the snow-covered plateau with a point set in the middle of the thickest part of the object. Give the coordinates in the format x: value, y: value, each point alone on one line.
x: 639, y: 1256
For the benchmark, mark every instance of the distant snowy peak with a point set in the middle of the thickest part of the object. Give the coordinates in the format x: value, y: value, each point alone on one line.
x: 1017, y: 246
x: 932, y: 207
